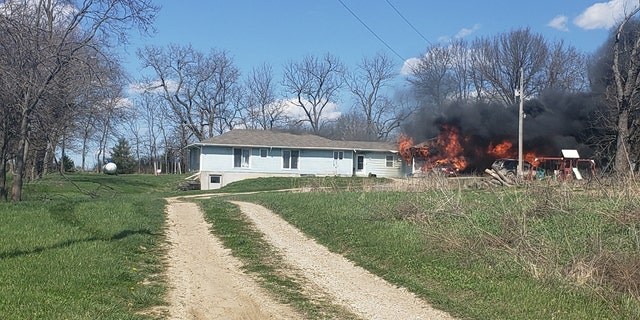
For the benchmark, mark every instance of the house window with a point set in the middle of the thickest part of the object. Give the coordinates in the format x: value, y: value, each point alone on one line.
x: 240, y: 158
x: 389, y: 161
x: 290, y: 159
x: 338, y: 155
x: 263, y: 153
x: 360, y: 163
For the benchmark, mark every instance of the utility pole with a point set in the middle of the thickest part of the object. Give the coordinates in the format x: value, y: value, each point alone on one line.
x: 520, y: 123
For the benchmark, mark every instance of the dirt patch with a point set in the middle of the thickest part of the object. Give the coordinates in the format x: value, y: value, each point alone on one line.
x: 207, y: 282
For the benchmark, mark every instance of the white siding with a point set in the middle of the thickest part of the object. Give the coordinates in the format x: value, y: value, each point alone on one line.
x: 376, y: 163
x: 318, y: 162
x: 270, y: 163
x: 218, y: 160
x: 321, y: 162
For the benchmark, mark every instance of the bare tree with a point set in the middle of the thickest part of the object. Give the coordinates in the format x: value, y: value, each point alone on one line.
x: 230, y: 114
x: 488, y: 70
x: 314, y: 82
x: 264, y: 110
x: 368, y: 84
x: 133, y: 128
x: 197, y: 87
x: 87, y: 126
x: 43, y: 38
x: 111, y: 114
x: 448, y: 73
x: 432, y: 77
x: 501, y: 58
x: 565, y: 70
x: 626, y: 74
x: 83, y: 88
x: 349, y: 126
x: 150, y: 108
x: 461, y: 71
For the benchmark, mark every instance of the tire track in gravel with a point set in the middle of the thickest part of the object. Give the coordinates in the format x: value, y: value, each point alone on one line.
x: 205, y: 280
x: 360, y: 291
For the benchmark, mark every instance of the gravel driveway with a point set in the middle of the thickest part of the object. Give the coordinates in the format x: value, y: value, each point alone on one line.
x: 207, y: 283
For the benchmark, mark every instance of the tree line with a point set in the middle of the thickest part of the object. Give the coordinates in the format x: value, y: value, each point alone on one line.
x: 58, y: 77
x: 62, y: 88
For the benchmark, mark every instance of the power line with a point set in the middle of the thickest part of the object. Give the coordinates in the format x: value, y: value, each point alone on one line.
x: 409, y: 23
x: 370, y: 30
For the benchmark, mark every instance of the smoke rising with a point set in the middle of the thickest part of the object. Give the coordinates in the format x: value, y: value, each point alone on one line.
x: 553, y: 122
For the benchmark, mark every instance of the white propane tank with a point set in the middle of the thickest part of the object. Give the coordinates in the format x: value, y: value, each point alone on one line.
x: 110, y: 168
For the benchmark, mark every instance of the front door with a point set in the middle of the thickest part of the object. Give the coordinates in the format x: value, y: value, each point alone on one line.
x: 359, y: 165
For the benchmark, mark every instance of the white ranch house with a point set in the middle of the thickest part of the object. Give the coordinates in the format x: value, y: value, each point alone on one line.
x: 242, y: 154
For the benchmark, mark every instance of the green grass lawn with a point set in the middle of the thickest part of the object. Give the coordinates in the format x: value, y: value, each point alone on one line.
x: 83, y: 248
x: 90, y: 246
x: 538, y: 252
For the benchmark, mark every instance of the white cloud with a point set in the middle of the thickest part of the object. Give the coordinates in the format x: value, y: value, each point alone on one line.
x: 409, y: 65
x: 604, y: 15
x: 294, y: 112
x: 559, y: 22
x: 467, y: 31
x: 444, y: 39
x: 461, y: 34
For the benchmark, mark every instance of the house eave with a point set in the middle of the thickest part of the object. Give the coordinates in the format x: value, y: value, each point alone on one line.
x: 203, y: 144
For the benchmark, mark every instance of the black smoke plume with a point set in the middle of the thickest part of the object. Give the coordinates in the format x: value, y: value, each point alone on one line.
x: 552, y: 122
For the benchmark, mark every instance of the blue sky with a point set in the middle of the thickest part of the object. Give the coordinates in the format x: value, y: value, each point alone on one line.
x: 278, y: 31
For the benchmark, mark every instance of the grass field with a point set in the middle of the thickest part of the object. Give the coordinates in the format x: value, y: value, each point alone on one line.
x: 83, y: 248
x: 90, y: 246
x: 535, y: 252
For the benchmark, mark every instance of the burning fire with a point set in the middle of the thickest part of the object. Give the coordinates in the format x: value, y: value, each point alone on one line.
x: 502, y: 150
x: 445, y: 149
x: 448, y: 149
x: 404, y: 147
x: 505, y: 150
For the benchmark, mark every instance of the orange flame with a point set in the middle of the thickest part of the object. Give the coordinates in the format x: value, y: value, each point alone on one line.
x: 502, y: 150
x: 449, y: 140
x: 532, y: 158
x: 404, y: 147
x: 446, y: 149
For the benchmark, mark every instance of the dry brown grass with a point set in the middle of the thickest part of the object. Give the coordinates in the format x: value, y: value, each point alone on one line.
x: 519, y: 224
x: 614, y: 270
x: 598, y: 265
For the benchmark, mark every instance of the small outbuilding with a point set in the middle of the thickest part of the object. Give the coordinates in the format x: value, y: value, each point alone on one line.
x: 242, y: 154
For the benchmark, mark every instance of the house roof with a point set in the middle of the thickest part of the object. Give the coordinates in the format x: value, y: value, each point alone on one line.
x: 279, y: 139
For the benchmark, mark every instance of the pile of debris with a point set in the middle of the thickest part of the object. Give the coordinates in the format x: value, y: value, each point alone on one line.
x: 498, y: 178
x: 503, y: 172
